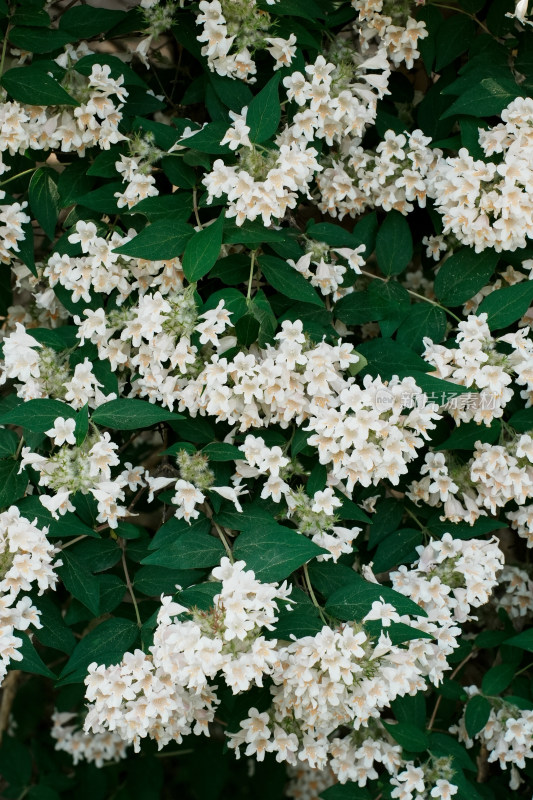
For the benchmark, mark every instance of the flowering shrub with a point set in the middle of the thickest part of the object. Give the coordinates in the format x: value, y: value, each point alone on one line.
x: 266, y: 399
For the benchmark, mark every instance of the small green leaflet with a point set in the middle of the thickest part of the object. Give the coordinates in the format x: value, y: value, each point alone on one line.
x: 286, y: 280
x: 505, y: 306
x: 32, y: 84
x: 394, y: 244
x: 523, y: 640
x: 38, y: 415
x: 463, y: 274
x: 202, y: 250
x: 82, y: 425
x: 44, y: 200
x: 477, y: 714
x: 129, y: 413
x: 105, y: 644
x: 159, y: 241
x: 264, y: 112
x: 273, y: 552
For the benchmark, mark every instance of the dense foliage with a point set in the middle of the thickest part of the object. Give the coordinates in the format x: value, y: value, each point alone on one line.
x: 266, y: 409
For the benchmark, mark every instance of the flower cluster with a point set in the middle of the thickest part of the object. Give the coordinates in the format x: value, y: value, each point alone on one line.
x: 391, y: 23
x: 487, y: 203
x: 167, y: 693
x: 95, y: 748
x: 26, y: 558
x: 393, y: 176
x: 478, y: 363
x: 506, y: 735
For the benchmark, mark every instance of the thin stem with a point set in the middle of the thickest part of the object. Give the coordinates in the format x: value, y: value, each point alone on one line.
x: 251, y: 277
x: 413, y: 516
x: 130, y: 587
x: 4, y: 48
x: 195, y: 207
x: 224, y: 541
x: 414, y: 294
x: 524, y: 669
x: 452, y: 676
x: 467, y: 13
x: 19, y: 447
x: 174, y: 753
x: 19, y: 175
x: 312, y: 595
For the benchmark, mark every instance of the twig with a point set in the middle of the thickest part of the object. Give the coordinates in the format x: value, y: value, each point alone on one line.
x: 9, y: 690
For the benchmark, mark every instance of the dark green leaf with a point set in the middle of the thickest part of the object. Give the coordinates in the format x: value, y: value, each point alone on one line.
x: 81, y: 583
x: 463, y: 274
x: 453, y: 38
x: 505, y: 306
x: 398, y: 548
x: 202, y: 250
x: 44, y: 200
x: 31, y: 84
x: 274, y: 552
x: 38, y: 415
x: 408, y: 736
x: 394, y: 244
x: 486, y: 99
x: 31, y: 660
x: 39, y: 40
x: 498, y: 678
x: 188, y: 551
x: 127, y: 414
x: 221, y: 451
x: 354, y: 601
x: 12, y: 484
x: 87, y: 21
x: 522, y: 640
x: 286, y: 280
x: 105, y: 644
x: 422, y: 320
x: 161, y: 240
x: 264, y: 112
x: 477, y: 714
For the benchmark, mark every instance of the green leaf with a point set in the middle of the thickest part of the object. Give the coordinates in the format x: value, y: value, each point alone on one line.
x: 387, y: 358
x: 264, y: 112
x: 486, y: 99
x: 505, y: 306
x: 32, y: 84
x: 161, y: 240
x: 44, y: 200
x: 188, y: 551
x: 286, y: 280
x: 354, y: 601
x: 467, y: 434
x: 202, y: 250
x: 522, y: 640
x: 477, y: 714
x: 398, y: 548
x: 423, y: 319
x: 394, y: 244
x: 53, y: 633
x: 463, y: 274
x: 247, y: 330
x: 152, y: 580
x: 380, y: 301
x: 82, y: 425
x: 105, y: 644
x: 31, y: 660
x: 127, y: 414
x: 81, y: 583
x: 87, y: 21
x: 453, y: 38
x: 208, y: 139
x: 409, y: 736
x: 12, y: 484
x: 176, y: 206
x: 38, y: 415
x: 39, y: 40
x: 221, y: 451
x: 497, y: 678
x: 73, y: 182
x: 273, y: 552
x: 385, y: 520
